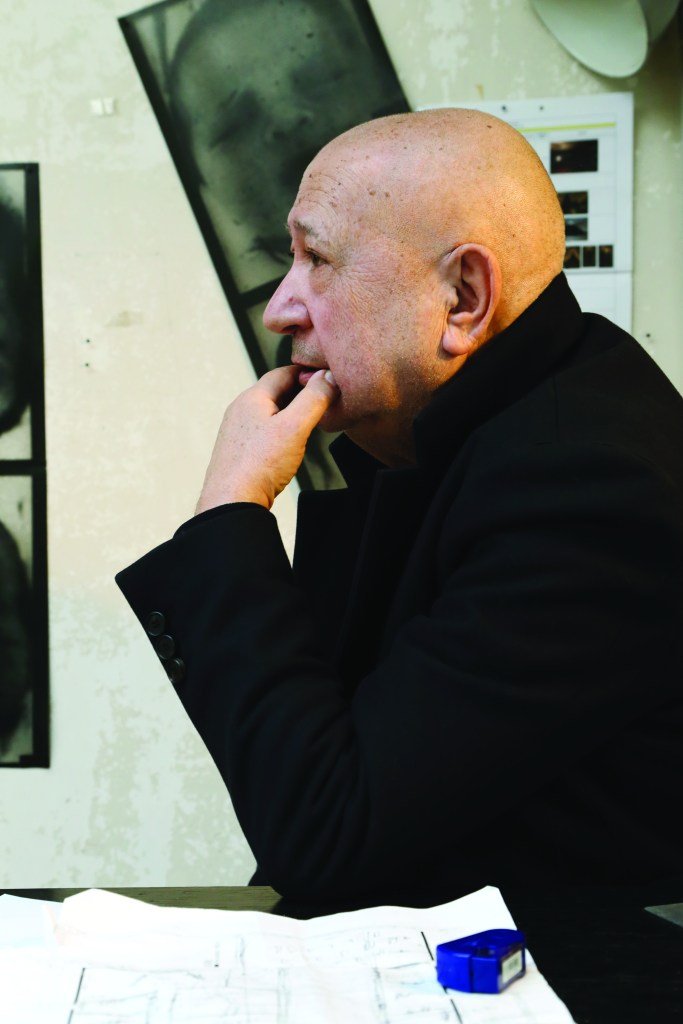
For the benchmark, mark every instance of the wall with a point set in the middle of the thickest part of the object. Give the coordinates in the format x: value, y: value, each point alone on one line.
x: 141, y: 357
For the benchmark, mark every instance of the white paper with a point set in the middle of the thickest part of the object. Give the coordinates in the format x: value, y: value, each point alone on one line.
x: 27, y: 922
x: 122, y: 961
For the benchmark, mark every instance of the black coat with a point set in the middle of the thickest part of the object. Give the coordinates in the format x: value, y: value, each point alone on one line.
x: 474, y: 672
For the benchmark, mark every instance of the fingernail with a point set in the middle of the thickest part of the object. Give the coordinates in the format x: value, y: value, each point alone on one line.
x: 329, y: 376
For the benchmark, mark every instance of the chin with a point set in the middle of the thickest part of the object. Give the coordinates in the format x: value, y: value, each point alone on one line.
x: 338, y: 418
x: 332, y: 423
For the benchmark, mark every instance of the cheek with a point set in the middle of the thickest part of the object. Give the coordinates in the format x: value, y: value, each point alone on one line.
x: 358, y: 329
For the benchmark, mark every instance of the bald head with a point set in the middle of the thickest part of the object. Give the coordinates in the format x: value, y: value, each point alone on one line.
x: 439, y: 178
x: 415, y: 239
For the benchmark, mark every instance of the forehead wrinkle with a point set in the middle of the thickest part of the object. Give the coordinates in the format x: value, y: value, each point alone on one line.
x: 304, y: 227
x: 380, y: 189
x: 308, y: 231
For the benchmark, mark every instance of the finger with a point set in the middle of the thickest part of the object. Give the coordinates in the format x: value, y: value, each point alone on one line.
x: 278, y: 382
x: 309, y: 406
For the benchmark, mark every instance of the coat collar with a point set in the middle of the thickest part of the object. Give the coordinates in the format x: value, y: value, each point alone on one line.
x: 499, y: 373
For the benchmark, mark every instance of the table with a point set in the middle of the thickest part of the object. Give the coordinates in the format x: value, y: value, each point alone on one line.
x: 605, y: 956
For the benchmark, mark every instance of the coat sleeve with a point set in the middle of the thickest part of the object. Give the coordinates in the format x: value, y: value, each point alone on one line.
x: 548, y: 598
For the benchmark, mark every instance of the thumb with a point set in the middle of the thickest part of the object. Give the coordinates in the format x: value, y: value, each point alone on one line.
x: 308, y: 407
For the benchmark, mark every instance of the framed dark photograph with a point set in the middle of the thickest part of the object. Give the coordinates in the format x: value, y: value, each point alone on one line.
x: 246, y: 92
x: 24, y: 688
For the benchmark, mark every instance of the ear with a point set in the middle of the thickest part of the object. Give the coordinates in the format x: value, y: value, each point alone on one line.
x: 474, y: 277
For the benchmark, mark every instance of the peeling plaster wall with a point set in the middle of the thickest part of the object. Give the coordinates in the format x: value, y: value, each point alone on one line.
x: 141, y: 357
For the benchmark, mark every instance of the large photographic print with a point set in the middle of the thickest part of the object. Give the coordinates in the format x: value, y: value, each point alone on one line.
x: 246, y: 92
x: 23, y: 576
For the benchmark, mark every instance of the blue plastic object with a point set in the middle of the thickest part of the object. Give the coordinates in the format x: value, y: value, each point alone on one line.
x: 485, y: 962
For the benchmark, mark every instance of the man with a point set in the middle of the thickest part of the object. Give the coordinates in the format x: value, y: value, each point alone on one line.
x: 472, y: 673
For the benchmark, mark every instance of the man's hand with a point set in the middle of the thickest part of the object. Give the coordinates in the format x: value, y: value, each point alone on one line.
x: 262, y: 438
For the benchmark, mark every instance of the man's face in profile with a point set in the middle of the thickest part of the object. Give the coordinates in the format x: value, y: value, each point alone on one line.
x: 261, y: 87
x: 366, y: 295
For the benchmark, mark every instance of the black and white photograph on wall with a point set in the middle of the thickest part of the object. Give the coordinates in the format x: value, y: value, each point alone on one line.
x: 15, y: 354
x: 23, y: 557
x: 246, y: 92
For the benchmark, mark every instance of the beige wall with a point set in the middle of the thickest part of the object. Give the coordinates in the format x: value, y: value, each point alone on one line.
x: 131, y: 797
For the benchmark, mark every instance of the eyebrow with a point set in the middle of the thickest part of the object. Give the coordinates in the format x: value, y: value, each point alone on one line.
x: 306, y: 229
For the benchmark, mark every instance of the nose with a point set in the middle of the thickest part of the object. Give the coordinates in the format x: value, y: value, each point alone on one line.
x: 286, y: 313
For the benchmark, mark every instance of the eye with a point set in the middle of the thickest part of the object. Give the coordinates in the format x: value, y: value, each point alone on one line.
x: 315, y: 258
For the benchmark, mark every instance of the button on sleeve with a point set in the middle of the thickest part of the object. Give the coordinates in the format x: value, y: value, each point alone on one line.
x: 155, y: 624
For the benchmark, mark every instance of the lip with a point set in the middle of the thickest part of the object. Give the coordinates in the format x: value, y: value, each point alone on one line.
x: 306, y: 372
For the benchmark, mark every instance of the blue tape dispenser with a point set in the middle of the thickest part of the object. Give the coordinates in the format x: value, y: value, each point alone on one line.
x: 485, y: 962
